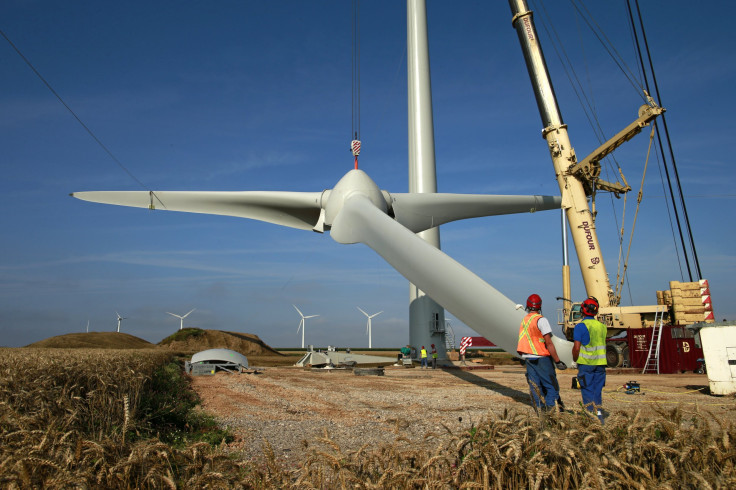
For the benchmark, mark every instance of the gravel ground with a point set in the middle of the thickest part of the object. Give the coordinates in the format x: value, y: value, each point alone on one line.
x: 293, y: 407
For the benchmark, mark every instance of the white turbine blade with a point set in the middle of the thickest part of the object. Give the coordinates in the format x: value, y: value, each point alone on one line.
x: 298, y: 311
x: 294, y: 209
x: 188, y: 313
x: 363, y: 312
x: 375, y: 314
x: 419, y: 212
x: 173, y: 314
x: 461, y: 292
x: 311, y: 316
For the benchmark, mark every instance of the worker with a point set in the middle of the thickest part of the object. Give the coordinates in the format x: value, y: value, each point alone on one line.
x: 434, y: 357
x: 423, y: 354
x: 540, y: 356
x: 406, y: 352
x: 589, y: 352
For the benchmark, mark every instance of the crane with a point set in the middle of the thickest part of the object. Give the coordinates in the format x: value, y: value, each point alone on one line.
x: 578, y: 180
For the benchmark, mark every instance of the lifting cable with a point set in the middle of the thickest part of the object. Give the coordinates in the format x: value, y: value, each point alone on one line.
x: 622, y: 278
x: 662, y: 164
x: 608, y: 46
x: 79, y: 120
x: 355, y: 65
x: 672, y: 156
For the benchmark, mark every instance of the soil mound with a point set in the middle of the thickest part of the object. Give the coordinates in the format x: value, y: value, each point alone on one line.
x: 94, y: 340
x: 195, y: 340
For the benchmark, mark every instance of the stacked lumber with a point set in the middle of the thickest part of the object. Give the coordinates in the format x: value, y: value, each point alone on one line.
x: 690, y: 301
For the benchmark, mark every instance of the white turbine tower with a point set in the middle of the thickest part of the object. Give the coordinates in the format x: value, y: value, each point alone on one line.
x: 120, y: 320
x: 181, y: 326
x: 368, y: 326
x: 302, y: 325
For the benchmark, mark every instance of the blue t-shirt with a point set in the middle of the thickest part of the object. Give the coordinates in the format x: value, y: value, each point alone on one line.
x: 581, y: 334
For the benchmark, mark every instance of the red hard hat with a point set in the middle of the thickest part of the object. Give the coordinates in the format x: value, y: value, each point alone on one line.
x: 534, y: 302
x: 589, y: 306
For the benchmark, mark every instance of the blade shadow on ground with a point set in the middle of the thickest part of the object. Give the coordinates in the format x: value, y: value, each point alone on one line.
x: 516, y: 395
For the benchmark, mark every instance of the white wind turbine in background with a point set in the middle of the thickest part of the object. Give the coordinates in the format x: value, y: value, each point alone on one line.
x: 181, y: 326
x: 120, y: 320
x: 302, y: 323
x: 368, y: 326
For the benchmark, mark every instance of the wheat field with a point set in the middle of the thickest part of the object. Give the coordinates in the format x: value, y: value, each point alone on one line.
x: 85, y: 418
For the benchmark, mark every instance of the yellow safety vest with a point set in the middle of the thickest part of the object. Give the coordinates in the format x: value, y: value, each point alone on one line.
x: 531, y: 340
x: 424, y: 353
x: 594, y: 353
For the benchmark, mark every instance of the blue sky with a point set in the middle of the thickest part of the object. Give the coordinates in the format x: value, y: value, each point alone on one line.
x: 257, y: 96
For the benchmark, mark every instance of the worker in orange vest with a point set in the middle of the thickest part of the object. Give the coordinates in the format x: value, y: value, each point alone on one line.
x: 540, y: 356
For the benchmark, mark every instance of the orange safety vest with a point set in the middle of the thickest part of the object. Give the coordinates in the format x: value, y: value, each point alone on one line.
x: 531, y: 340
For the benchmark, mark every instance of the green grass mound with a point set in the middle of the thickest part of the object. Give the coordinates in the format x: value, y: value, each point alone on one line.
x: 196, y: 340
x: 183, y: 335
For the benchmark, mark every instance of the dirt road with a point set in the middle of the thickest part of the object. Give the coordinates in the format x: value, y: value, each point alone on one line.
x: 293, y: 408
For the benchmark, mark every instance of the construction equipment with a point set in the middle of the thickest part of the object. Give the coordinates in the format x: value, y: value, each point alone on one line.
x: 579, y: 181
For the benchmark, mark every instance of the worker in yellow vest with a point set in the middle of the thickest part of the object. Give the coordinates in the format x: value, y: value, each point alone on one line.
x: 423, y: 355
x: 589, y: 352
x: 540, y: 356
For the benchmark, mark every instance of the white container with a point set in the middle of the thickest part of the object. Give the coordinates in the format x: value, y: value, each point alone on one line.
x: 719, y: 350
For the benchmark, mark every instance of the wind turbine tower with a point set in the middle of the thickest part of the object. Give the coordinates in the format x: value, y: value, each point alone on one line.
x: 426, y: 316
x: 302, y: 322
x: 120, y: 320
x: 368, y: 326
x: 181, y: 326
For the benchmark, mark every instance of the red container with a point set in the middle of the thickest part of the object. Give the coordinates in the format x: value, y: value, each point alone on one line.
x: 678, y: 351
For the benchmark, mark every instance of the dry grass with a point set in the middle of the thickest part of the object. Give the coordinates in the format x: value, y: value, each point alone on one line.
x: 94, y: 340
x: 68, y: 419
x: 515, y: 450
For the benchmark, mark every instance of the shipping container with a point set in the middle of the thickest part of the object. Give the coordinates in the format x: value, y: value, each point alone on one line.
x: 679, y: 350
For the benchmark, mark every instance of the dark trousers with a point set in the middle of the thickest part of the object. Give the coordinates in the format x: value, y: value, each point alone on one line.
x: 592, y: 379
x: 542, y: 378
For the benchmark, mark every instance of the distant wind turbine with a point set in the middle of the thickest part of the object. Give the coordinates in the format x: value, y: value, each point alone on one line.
x: 302, y: 322
x: 88, y: 325
x: 368, y: 327
x: 120, y: 320
x: 181, y: 326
